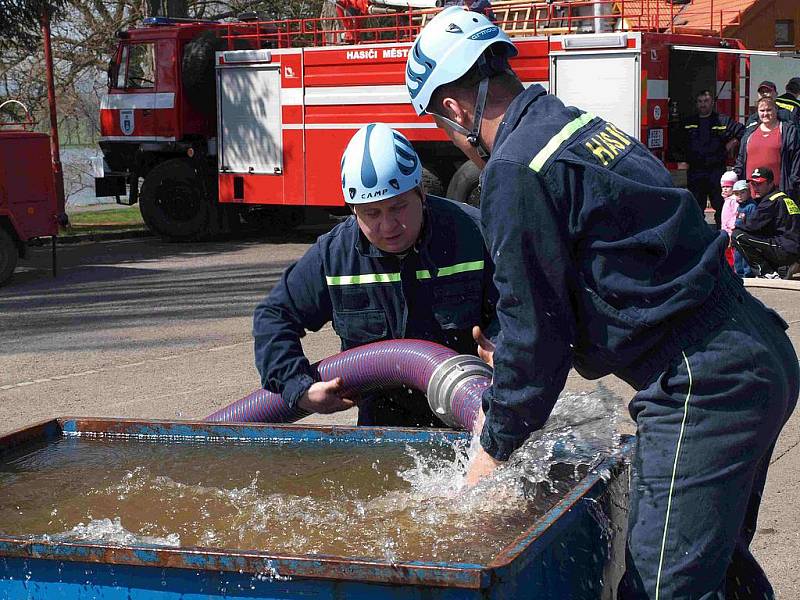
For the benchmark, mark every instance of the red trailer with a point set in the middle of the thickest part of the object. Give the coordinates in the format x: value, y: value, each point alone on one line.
x: 28, y: 202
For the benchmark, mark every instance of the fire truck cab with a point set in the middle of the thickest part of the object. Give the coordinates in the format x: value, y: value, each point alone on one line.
x: 208, y: 124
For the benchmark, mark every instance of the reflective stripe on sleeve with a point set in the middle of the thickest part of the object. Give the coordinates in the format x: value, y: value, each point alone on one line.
x: 562, y: 136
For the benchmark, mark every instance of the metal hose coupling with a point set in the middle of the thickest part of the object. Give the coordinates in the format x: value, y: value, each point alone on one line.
x: 450, y: 376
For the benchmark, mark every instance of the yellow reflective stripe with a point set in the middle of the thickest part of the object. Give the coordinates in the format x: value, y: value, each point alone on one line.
x: 566, y: 132
x: 475, y: 265
x: 775, y: 196
x: 690, y: 126
x: 362, y: 279
x: 719, y: 127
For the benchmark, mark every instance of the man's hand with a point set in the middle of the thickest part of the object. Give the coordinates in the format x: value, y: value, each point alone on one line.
x: 325, y: 397
x: 481, y: 465
x: 732, y: 145
x: 485, y: 346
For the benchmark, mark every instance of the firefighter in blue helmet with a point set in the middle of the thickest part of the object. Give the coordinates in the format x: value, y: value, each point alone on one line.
x: 603, y: 265
x: 404, y: 265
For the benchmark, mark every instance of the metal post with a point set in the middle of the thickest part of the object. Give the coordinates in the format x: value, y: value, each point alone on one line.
x: 51, y: 99
x: 55, y: 264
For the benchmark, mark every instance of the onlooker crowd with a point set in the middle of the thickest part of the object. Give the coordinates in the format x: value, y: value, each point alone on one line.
x: 754, y: 202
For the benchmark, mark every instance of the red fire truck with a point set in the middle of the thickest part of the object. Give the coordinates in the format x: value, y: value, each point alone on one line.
x: 210, y: 123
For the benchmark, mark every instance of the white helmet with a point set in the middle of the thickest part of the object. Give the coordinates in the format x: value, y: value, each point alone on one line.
x: 377, y: 164
x: 449, y: 45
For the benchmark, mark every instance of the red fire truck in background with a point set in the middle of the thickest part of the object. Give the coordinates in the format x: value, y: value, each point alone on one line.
x: 30, y: 209
x: 208, y: 124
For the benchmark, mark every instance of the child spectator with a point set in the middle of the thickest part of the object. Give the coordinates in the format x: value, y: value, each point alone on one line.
x: 729, y: 206
x: 745, y: 205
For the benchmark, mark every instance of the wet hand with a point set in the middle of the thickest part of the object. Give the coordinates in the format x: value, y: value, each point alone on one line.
x: 485, y: 346
x: 482, y: 465
x: 325, y: 397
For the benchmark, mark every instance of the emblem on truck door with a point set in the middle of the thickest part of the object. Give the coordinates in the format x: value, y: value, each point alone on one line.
x: 126, y: 121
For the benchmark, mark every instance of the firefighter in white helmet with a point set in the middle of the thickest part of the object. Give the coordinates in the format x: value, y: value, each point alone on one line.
x: 405, y: 265
x: 602, y: 264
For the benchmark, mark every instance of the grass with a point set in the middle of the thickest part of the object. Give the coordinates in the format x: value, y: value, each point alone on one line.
x: 100, y: 221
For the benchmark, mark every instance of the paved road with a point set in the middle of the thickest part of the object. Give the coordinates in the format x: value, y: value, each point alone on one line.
x: 148, y: 329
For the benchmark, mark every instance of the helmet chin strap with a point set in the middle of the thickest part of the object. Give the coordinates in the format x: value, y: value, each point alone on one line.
x: 473, y: 135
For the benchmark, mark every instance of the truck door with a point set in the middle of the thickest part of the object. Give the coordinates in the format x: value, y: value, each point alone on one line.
x: 131, y: 101
x: 575, y: 79
x: 250, y: 127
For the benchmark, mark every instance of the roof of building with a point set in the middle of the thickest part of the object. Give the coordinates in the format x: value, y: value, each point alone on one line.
x: 713, y: 15
x: 698, y: 16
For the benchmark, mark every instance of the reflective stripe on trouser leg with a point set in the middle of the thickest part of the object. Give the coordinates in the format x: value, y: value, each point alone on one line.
x: 674, y: 472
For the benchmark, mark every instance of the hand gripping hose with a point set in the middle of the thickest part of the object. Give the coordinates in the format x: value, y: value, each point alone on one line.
x: 453, y: 382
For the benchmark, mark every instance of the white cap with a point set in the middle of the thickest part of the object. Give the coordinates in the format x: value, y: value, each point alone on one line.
x: 740, y: 185
x: 377, y: 164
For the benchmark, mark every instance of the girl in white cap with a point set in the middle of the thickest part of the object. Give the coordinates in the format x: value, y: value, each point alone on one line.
x: 728, y: 218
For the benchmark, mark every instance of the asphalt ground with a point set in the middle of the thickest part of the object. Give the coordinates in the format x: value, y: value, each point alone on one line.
x: 148, y: 329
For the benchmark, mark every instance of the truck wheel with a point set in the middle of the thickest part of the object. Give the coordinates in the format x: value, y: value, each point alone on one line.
x: 173, y: 200
x: 432, y: 182
x: 8, y: 256
x: 465, y: 184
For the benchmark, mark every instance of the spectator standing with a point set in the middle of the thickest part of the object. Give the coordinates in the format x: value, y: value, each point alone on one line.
x: 789, y: 100
x: 770, y: 237
x: 728, y: 220
x: 767, y: 89
x: 709, y: 139
x: 772, y: 144
x: 745, y: 205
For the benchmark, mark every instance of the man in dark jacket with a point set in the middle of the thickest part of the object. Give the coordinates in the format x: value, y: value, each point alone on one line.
x: 405, y: 265
x: 768, y: 89
x: 770, y: 238
x: 789, y: 99
x: 603, y: 265
x: 709, y: 138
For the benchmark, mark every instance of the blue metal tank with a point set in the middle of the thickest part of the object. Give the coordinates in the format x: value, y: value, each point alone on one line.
x: 574, y: 551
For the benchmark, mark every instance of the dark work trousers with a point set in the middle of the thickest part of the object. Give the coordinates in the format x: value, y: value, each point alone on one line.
x: 763, y: 253
x: 706, y: 429
x: 705, y: 187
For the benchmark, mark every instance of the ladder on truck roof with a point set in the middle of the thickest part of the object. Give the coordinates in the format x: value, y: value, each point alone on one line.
x: 386, y: 23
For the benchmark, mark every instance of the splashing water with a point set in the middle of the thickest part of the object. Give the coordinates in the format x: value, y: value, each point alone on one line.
x: 389, y: 501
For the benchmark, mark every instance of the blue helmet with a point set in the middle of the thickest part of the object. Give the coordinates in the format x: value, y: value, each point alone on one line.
x: 449, y: 45
x: 377, y: 164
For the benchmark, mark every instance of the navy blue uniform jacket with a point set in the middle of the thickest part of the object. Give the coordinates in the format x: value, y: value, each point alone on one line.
x: 437, y: 292
x: 599, y: 261
x: 704, y: 140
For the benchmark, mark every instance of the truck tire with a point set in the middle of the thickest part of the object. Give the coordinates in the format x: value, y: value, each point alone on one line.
x: 465, y: 184
x: 173, y: 200
x: 8, y: 256
x: 197, y: 71
x: 432, y: 182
